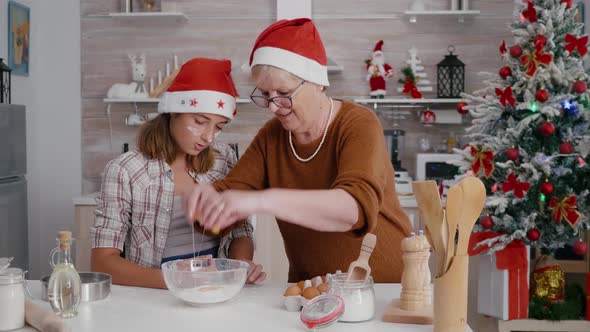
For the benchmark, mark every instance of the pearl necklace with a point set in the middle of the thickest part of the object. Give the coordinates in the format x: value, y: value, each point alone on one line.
x: 304, y: 160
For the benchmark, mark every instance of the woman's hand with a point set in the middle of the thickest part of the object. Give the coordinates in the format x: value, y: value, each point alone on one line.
x: 230, y: 207
x: 255, y: 273
x: 199, y: 202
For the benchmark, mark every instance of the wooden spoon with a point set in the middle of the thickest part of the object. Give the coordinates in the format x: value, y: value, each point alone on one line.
x: 474, y: 199
x: 430, y: 206
x: 360, y: 270
x: 454, y: 210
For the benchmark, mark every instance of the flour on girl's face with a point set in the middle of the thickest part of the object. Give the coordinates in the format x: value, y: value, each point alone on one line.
x: 198, y: 132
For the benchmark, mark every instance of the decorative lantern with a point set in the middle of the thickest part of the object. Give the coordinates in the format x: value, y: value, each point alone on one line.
x: 450, y: 76
x: 5, y: 73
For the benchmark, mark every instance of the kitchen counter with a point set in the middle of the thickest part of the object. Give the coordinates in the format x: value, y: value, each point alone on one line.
x: 88, y: 199
x: 405, y: 201
x: 256, y: 308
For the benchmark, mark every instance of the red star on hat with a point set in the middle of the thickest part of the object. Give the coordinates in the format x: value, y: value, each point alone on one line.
x: 194, y: 102
x: 220, y: 103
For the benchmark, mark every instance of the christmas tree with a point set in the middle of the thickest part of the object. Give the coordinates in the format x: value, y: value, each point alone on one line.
x: 531, y: 132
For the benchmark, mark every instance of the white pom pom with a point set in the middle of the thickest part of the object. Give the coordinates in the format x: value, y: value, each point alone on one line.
x: 245, y: 68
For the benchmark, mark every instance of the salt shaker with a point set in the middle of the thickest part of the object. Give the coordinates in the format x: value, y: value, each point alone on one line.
x: 12, y: 299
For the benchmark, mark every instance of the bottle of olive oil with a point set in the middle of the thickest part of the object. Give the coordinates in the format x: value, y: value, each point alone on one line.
x: 63, y: 289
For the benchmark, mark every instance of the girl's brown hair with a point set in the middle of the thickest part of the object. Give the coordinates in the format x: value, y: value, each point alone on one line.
x: 154, y: 141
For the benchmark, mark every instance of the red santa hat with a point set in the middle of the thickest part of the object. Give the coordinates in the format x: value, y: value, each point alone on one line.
x: 295, y: 46
x: 201, y: 86
x: 378, y: 47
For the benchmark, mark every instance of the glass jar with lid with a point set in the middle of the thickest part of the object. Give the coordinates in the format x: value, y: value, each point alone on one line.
x: 12, y: 298
x: 358, y: 296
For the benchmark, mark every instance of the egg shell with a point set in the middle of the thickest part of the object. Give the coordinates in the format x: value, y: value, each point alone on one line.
x: 323, y: 288
x: 301, y: 284
x: 310, y: 292
x: 293, y: 290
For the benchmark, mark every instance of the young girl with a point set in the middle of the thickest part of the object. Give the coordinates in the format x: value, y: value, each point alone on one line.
x: 139, y: 211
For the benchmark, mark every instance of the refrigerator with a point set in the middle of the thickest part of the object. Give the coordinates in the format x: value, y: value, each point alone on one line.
x: 13, y: 185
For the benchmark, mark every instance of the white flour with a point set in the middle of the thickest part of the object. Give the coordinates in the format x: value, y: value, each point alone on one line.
x: 208, y: 294
x: 12, y: 307
x: 359, y: 305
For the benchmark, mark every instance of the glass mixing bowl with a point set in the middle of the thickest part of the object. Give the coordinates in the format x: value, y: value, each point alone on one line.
x: 219, y: 280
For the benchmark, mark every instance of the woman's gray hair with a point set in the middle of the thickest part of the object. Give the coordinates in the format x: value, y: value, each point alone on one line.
x: 272, y: 72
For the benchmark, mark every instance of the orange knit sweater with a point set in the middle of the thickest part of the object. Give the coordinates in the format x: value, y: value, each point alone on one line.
x: 353, y: 158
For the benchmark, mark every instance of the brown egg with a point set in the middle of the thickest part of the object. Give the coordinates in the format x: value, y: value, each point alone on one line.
x: 293, y: 290
x: 301, y: 284
x: 310, y: 292
x: 323, y: 288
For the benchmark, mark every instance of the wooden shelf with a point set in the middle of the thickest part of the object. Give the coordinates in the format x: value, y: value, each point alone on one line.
x: 460, y: 15
x: 575, y: 266
x: 543, y: 325
x: 159, y: 17
x: 333, y: 67
x: 406, y: 101
x: 444, y: 115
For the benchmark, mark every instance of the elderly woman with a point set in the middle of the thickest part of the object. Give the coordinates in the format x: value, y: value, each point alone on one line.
x: 320, y: 166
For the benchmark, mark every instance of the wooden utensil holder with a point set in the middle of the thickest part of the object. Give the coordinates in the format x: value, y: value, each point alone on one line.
x: 450, y: 297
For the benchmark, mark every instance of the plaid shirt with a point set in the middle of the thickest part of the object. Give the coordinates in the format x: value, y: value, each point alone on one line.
x: 136, y: 192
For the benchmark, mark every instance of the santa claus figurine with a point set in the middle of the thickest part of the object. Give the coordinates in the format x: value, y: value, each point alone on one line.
x: 377, y: 72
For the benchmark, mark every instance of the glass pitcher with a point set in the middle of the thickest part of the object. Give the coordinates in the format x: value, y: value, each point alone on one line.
x: 64, y: 286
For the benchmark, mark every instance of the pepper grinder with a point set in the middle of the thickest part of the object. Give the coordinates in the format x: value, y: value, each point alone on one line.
x: 415, y: 303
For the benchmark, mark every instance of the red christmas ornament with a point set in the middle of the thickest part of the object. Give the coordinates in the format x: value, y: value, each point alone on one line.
x: 532, y: 60
x: 530, y: 13
x: 542, y: 95
x: 506, y: 96
x: 573, y: 43
x: 564, y: 209
x: 533, y: 234
x: 580, y: 248
x: 580, y: 87
x: 512, y: 184
x: 461, y: 108
x: 547, y: 188
x: 505, y: 72
x: 486, y: 222
x: 482, y: 160
x: 428, y: 117
x: 547, y: 129
x: 503, y: 49
x: 566, y: 148
x: 568, y: 3
x: 516, y: 51
x: 512, y: 154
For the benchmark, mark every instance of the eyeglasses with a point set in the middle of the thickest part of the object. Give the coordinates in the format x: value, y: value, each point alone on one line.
x: 279, y: 101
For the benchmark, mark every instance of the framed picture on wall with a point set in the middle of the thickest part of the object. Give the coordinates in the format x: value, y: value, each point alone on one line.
x: 18, y: 38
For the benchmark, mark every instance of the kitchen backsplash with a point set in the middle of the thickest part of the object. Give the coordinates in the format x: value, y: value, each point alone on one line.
x: 349, y: 32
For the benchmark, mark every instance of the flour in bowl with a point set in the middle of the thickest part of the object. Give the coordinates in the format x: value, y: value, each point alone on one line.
x: 208, y: 294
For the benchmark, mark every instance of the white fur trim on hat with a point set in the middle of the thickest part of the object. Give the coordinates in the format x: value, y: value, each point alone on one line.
x: 200, y: 101
x: 294, y: 63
